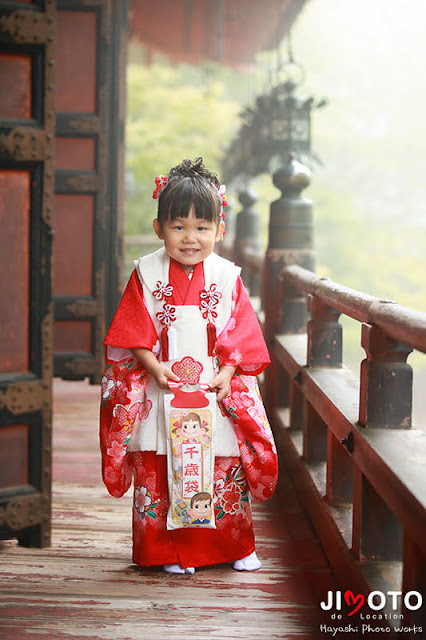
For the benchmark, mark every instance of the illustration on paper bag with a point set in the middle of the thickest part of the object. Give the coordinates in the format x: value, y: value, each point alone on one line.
x: 190, y: 466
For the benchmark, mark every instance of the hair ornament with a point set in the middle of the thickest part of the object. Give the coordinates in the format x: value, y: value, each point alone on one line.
x: 222, y: 193
x: 160, y: 182
x: 224, y: 199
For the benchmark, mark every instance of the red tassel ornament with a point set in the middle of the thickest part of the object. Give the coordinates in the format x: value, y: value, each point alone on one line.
x: 164, y: 341
x: 211, y: 338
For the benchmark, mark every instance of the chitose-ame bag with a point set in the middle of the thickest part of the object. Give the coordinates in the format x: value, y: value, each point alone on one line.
x: 190, y: 415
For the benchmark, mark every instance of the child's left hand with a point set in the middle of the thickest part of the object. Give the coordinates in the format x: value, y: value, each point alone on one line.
x: 222, y: 382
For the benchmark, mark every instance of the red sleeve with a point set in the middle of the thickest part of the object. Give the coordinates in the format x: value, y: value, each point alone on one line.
x: 132, y: 326
x: 241, y: 342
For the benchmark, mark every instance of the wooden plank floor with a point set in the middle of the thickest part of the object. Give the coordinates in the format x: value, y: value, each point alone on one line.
x: 85, y: 587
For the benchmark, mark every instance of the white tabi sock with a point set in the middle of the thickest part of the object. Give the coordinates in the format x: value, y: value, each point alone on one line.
x: 249, y: 563
x: 176, y: 568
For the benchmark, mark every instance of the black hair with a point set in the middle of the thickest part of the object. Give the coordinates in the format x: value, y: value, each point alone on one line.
x: 190, y: 184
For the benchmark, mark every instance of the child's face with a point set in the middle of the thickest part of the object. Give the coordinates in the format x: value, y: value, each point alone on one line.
x: 191, y: 428
x: 188, y: 240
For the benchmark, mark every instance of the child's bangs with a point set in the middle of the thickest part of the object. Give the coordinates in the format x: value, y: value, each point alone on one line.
x: 186, y: 195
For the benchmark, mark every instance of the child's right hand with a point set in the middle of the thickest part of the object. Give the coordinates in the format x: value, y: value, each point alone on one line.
x: 156, y: 369
x: 161, y: 374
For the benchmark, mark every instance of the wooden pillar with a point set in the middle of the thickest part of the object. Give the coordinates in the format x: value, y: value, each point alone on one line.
x: 290, y: 242
x: 324, y: 335
x: 377, y: 534
x: 296, y: 407
x: 247, y: 227
x: 386, y: 382
x: 414, y: 579
x: 314, y: 435
x: 339, y: 472
x: 247, y: 234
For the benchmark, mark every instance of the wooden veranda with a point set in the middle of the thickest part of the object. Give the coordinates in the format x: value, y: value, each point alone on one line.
x: 85, y: 586
x: 353, y: 523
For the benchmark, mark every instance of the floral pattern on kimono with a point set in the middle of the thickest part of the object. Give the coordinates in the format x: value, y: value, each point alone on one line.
x: 232, y: 539
x: 240, y: 344
x: 123, y: 403
x: 256, y: 443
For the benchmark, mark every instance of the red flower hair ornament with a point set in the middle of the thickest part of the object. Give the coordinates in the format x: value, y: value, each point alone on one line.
x: 160, y: 182
x: 224, y: 199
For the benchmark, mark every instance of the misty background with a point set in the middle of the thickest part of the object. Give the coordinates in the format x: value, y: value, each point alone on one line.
x: 367, y: 58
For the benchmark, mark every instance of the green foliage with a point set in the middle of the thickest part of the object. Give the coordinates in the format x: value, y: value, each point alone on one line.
x: 368, y: 255
x: 170, y: 117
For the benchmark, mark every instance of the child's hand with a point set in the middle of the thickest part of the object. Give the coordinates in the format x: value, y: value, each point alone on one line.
x: 161, y: 374
x: 156, y: 369
x: 222, y: 382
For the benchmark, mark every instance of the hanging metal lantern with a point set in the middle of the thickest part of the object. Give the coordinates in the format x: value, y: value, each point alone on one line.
x: 291, y: 121
x: 277, y: 125
x: 287, y: 122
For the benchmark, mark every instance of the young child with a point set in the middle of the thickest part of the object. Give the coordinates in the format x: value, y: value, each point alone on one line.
x: 186, y: 301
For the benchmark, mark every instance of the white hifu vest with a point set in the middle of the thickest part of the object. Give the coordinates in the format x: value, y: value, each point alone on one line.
x: 189, y: 339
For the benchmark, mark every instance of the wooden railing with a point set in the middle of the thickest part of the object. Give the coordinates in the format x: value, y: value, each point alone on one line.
x: 357, y: 461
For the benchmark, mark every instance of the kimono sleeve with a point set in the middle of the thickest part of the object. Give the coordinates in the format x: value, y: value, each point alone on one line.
x: 123, y: 406
x: 255, y: 440
x: 241, y: 342
x: 132, y: 326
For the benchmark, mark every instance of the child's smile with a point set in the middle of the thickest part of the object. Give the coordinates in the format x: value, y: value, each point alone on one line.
x: 189, y: 252
x: 189, y: 240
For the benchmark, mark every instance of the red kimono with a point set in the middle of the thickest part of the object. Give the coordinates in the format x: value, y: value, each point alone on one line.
x: 131, y: 448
